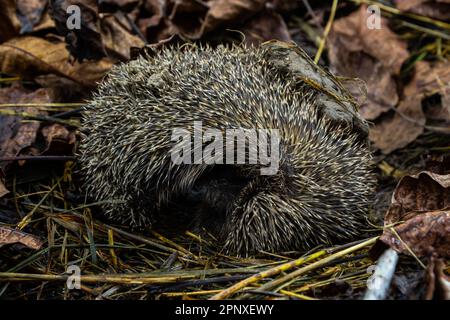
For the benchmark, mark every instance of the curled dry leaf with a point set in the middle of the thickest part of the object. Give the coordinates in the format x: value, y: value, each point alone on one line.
x: 425, y: 234
x: 59, y: 140
x: 154, y: 27
x: 100, y: 35
x: 333, y: 100
x: 426, y: 191
x: 32, y: 56
x: 194, y: 19
x: 84, y: 42
x: 433, y: 78
x: 374, y: 55
x: 422, y: 201
x: 9, y: 236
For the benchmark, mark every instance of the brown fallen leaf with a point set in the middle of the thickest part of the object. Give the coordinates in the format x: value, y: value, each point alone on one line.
x: 84, y: 42
x: 434, y: 79
x: 425, y: 234
x: 438, y: 9
x: 373, y: 55
x: 117, y: 38
x: 402, y: 128
x: 421, y: 204
x: 115, y: 5
x: 9, y: 23
x: 228, y: 12
x: 59, y: 140
x: 10, y: 236
x: 398, y: 130
x: 266, y: 25
x: 14, y: 134
x: 31, y: 56
x: 425, y: 191
x: 155, y: 27
x: 186, y: 18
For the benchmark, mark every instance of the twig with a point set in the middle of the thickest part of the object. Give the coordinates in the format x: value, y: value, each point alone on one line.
x: 327, y: 31
x: 315, y: 265
x: 265, y: 274
x: 379, y: 283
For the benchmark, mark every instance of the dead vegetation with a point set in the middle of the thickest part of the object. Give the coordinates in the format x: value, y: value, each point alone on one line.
x: 46, y: 224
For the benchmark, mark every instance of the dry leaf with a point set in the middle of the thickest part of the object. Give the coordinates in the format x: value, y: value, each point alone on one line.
x: 117, y: 38
x: 422, y: 201
x: 186, y: 18
x: 425, y: 191
x: 266, y: 25
x: 227, y: 12
x: 32, y: 56
x: 9, y: 23
x: 115, y: 5
x: 9, y: 236
x: 85, y: 42
x: 14, y: 134
x: 374, y: 55
x: 438, y: 9
x: 59, y: 140
x: 425, y: 234
x: 154, y: 27
x: 433, y: 78
x: 400, y: 129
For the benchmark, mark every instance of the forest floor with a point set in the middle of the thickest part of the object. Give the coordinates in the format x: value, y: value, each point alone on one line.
x: 399, y: 48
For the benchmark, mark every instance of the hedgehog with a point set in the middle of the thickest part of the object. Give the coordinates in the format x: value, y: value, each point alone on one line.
x: 320, y: 193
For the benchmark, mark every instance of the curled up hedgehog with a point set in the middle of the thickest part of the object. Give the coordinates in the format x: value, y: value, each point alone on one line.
x: 319, y: 191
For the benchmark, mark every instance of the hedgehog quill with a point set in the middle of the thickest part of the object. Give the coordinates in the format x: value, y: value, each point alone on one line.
x: 320, y: 193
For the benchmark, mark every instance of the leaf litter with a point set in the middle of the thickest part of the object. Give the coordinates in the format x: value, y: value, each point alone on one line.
x: 48, y: 71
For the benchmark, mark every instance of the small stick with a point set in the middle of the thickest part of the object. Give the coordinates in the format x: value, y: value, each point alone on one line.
x: 326, y: 32
x: 265, y: 274
x: 379, y: 283
x: 130, y: 279
x: 289, y: 265
x: 315, y: 265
